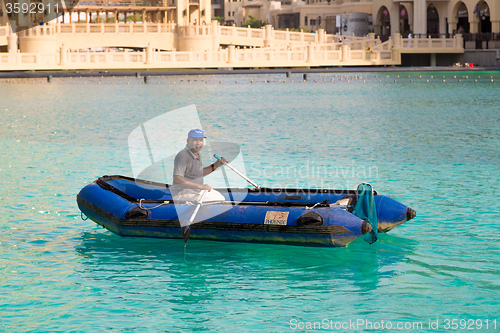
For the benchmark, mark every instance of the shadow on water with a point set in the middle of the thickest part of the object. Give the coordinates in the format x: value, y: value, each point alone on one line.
x: 205, y: 262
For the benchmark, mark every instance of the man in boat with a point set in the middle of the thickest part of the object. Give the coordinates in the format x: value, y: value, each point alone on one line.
x: 189, y: 171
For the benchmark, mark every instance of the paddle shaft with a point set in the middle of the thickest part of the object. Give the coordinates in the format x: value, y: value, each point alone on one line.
x: 236, y: 171
x: 186, y: 230
x: 197, y: 206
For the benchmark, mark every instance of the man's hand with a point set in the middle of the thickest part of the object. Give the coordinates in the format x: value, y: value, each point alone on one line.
x: 205, y: 187
x: 218, y: 163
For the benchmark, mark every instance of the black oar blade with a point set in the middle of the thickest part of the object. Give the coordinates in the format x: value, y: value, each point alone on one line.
x: 186, y: 231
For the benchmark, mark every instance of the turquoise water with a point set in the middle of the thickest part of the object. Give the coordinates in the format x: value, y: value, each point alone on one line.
x: 427, y: 141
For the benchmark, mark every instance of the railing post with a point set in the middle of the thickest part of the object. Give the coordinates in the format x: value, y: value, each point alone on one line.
x: 268, y: 37
x: 107, y: 56
x: 321, y: 35
x: 215, y: 35
x: 345, y: 52
x: 63, y: 53
x: 11, y: 39
x: 459, y: 41
x: 310, y: 53
x: 397, y: 40
x: 443, y: 40
x: 149, y: 54
x: 230, y: 54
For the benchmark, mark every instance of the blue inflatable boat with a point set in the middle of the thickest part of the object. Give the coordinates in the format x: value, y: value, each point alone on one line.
x: 313, y: 217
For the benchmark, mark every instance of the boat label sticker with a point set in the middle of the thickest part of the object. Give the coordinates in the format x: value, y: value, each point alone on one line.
x: 278, y: 218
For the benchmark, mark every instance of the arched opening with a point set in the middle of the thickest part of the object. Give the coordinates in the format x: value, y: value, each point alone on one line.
x: 482, y: 11
x: 384, y: 22
x: 404, y: 24
x: 463, y: 25
x: 432, y: 21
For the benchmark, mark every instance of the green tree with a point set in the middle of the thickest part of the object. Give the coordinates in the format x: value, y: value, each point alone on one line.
x: 304, y: 29
x: 219, y: 18
x: 254, y: 23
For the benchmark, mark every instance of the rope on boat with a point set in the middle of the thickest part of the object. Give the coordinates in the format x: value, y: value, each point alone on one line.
x: 317, y: 203
x: 163, y: 203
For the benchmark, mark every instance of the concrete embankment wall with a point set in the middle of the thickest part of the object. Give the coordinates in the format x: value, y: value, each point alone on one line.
x: 485, y: 58
x: 424, y: 59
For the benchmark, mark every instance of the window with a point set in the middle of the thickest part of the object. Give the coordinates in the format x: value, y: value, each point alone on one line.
x: 305, y: 20
x: 228, y: 13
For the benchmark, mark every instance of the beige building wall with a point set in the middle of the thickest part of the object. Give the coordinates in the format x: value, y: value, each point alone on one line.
x: 199, y: 11
x: 193, y: 12
x: 447, y: 12
x: 319, y: 14
x: 233, y: 11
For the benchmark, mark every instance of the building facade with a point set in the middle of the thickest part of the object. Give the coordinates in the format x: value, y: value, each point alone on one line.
x: 423, y: 17
x: 344, y: 17
x: 385, y: 17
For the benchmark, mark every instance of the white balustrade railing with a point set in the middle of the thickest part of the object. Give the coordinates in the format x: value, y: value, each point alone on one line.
x: 456, y: 42
x: 114, y: 28
x: 240, y: 32
x: 39, y: 31
x: 270, y: 36
x: 230, y: 57
x: 288, y: 48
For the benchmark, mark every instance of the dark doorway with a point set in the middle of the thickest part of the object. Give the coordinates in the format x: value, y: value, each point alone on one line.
x: 483, y: 12
x: 385, y: 22
x: 404, y: 25
x: 289, y: 21
x: 432, y: 21
x: 463, y: 25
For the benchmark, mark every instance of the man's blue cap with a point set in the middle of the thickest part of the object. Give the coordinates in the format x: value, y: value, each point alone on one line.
x: 196, y: 133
